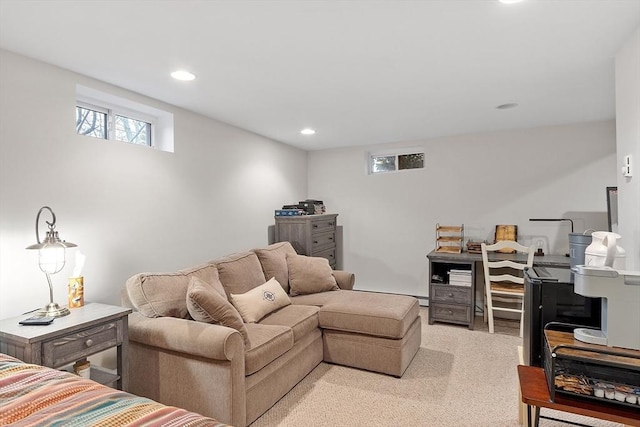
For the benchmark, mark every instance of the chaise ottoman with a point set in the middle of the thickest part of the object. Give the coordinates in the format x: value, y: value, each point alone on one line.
x: 373, y: 331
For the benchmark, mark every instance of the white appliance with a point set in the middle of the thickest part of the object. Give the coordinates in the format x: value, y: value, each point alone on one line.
x: 605, y: 251
x: 620, y: 293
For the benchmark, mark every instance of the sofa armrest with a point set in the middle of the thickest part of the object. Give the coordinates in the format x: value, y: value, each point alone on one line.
x: 345, y: 279
x: 186, y: 336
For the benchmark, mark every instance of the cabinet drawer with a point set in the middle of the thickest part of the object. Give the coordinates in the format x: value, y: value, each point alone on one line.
x: 450, y: 313
x: 320, y: 240
x: 329, y: 254
x: 451, y: 294
x: 67, y: 349
x: 323, y: 226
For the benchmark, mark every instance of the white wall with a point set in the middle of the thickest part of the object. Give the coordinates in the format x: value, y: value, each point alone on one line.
x: 477, y: 180
x: 129, y: 208
x: 628, y: 143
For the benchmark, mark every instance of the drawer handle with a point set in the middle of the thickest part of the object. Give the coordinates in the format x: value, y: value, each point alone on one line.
x: 315, y: 225
x: 330, y: 238
x: 315, y: 241
x: 450, y: 311
x: 89, y: 342
x: 331, y: 224
x: 450, y: 294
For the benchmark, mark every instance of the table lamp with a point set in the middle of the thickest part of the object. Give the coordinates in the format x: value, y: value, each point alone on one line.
x: 51, y: 259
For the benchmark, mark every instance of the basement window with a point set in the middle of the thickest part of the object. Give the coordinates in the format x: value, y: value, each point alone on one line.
x: 105, y: 116
x: 393, y: 161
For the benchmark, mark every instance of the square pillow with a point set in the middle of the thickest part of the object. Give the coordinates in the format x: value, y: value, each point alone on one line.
x: 260, y: 301
x: 310, y: 275
x: 274, y: 262
x: 208, y: 306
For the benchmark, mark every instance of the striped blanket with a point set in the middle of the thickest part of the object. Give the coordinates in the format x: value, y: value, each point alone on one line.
x: 32, y: 395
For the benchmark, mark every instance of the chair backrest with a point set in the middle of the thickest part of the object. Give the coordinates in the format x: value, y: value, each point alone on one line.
x: 501, y: 245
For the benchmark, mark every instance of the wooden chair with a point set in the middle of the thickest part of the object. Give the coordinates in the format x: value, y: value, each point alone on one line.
x: 504, y: 281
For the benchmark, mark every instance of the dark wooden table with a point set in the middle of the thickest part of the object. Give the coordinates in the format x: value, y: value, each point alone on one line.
x: 535, y: 394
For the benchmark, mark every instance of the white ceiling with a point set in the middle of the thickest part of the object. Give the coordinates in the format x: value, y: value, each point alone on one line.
x: 359, y: 72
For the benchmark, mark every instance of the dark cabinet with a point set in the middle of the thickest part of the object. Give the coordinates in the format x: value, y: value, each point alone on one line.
x: 550, y: 297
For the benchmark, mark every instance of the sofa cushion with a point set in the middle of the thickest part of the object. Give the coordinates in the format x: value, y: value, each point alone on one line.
x: 309, y: 275
x: 260, y: 301
x: 273, y: 259
x: 381, y: 315
x: 387, y: 355
x: 206, y: 305
x: 207, y: 273
x: 159, y: 294
x: 319, y: 300
x: 240, y: 272
x: 268, y: 342
x: 301, y: 318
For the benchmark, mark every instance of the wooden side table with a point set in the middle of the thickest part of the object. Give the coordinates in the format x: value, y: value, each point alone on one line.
x: 87, y: 330
x: 451, y: 303
x: 535, y: 394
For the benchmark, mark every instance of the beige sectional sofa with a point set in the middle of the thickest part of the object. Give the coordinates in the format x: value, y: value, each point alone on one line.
x: 191, y: 345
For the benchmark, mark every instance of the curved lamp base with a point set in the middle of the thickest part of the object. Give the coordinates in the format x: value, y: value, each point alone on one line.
x: 53, y: 310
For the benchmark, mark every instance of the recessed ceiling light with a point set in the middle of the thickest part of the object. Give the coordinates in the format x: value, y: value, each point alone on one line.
x: 509, y: 1
x: 183, y: 75
x: 507, y: 106
x: 307, y: 131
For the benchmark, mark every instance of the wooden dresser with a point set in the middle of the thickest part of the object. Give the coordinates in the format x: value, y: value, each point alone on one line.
x: 311, y: 235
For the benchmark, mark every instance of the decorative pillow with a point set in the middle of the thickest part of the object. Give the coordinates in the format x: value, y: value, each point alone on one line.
x: 208, y: 273
x: 274, y: 262
x: 310, y: 275
x: 207, y: 305
x: 260, y: 301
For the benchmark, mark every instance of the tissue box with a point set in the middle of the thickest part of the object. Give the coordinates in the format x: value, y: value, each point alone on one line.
x: 76, y: 292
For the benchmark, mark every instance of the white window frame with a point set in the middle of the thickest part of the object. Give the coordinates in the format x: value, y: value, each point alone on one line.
x: 394, y: 152
x: 161, y: 129
x: 98, y: 109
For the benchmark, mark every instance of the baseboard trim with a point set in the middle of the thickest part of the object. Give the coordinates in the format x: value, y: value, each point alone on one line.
x: 422, y: 300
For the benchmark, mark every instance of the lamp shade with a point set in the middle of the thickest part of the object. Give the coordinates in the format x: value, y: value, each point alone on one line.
x: 52, y: 237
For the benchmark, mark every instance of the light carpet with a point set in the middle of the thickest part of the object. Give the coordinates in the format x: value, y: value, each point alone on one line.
x: 459, y: 377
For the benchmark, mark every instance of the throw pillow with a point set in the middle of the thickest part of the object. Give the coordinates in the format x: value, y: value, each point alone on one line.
x: 310, y: 275
x: 260, y: 301
x: 274, y: 262
x: 207, y: 305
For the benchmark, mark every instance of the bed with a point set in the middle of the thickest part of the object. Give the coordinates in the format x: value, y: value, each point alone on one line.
x: 33, y: 395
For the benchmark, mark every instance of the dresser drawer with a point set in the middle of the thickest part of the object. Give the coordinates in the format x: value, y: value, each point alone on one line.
x: 323, y: 226
x: 322, y: 240
x: 66, y: 349
x: 450, y: 312
x: 451, y: 294
x: 329, y: 254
